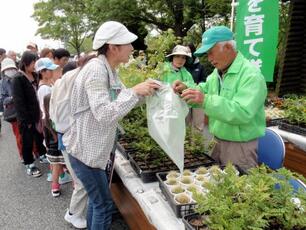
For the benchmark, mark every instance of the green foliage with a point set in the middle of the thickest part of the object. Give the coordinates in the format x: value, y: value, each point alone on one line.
x: 71, y: 21
x: 295, y: 109
x: 252, y: 201
x: 220, y: 7
x: 161, y: 45
x: 158, y: 47
x: 66, y: 21
x: 194, y: 141
x: 85, y: 47
x: 282, y: 39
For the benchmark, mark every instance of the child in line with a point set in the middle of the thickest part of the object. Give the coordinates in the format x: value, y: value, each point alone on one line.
x: 45, y: 68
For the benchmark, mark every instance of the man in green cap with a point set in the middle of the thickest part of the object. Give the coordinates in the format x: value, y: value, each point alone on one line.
x: 232, y: 97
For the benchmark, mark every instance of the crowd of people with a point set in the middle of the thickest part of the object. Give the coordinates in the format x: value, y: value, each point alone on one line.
x: 232, y: 97
x: 28, y: 84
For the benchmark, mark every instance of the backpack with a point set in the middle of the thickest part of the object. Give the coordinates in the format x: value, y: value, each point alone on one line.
x: 9, y: 110
x: 60, y: 108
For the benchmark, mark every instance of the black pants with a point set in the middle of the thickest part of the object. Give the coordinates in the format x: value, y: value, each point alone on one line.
x: 29, y: 135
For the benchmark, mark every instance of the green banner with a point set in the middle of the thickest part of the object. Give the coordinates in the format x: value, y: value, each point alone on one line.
x: 256, y: 32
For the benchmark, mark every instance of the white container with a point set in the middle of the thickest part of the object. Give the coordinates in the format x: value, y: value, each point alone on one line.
x: 183, y: 190
x: 186, y: 180
x: 173, y: 174
x: 171, y: 182
x: 185, y: 196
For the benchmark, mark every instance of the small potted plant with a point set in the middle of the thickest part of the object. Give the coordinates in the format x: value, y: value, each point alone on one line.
x: 192, y: 187
x: 182, y: 198
x: 171, y: 182
x: 177, y: 189
x: 187, y: 172
x: 172, y: 174
x: 201, y: 170
x: 186, y: 180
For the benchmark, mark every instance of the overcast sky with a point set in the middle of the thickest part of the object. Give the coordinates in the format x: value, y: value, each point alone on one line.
x: 18, y: 28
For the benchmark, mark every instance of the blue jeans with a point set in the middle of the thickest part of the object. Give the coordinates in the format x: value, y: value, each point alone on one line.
x: 100, y: 203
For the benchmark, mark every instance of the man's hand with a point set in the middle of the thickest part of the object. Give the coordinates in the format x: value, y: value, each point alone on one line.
x: 178, y: 86
x: 193, y: 96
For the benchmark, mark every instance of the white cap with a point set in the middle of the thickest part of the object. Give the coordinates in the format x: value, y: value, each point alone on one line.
x: 7, y: 63
x: 44, y: 63
x: 31, y: 45
x: 112, y: 32
x: 180, y: 50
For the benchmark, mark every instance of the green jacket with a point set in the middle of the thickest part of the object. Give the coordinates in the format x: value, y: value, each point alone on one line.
x: 236, y: 113
x: 170, y: 75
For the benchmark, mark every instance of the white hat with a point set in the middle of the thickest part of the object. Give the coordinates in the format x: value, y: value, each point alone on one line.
x: 45, y: 63
x: 112, y: 32
x: 180, y: 50
x: 31, y: 45
x: 7, y: 63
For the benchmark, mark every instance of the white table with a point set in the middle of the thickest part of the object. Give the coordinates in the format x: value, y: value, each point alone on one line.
x: 296, y: 139
x: 148, y: 196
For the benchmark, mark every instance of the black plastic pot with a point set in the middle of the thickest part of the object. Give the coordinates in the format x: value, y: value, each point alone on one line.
x: 188, y: 226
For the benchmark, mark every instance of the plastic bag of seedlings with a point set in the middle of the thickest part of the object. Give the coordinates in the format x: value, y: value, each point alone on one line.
x: 166, y: 113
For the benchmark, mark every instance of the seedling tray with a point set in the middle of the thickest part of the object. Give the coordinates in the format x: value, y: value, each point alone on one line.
x: 292, y: 128
x: 148, y: 174
x: 180, y: 210
x: 274, y: 122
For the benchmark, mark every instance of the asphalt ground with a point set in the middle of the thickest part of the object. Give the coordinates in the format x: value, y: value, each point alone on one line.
x: 26, y: 203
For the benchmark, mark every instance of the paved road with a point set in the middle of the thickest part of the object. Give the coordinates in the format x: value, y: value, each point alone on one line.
x: 26, y: 203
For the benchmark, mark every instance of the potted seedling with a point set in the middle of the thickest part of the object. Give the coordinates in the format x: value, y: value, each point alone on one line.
x: 187, y: 172
x: 172, y: 174
x: 186, y: 180
x: 177, y: 189
x: 182, y: 198
x: 201, y: 170
x: 171, y: 181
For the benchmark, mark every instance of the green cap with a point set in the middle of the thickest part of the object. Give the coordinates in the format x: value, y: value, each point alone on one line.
x: 213, y: 35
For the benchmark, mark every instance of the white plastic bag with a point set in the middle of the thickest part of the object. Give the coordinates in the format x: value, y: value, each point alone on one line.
x: 166, y: 114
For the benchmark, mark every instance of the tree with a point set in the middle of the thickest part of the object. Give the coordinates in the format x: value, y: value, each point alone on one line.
x: 178, y: 15
x: 73, y: 20
x: 66, y: 21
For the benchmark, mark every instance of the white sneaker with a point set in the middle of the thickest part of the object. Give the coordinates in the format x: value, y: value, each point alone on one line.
x: 75, y: 220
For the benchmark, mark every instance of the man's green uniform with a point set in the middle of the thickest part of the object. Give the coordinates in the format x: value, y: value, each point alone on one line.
x: 234, y: 103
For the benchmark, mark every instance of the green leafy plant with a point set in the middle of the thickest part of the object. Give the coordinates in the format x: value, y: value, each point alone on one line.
x: 295, y: 109
x: 194, y: 141
x: 158, y: 48
x: 252, y: 201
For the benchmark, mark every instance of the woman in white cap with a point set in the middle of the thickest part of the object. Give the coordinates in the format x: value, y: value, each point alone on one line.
x: 174, y: 68
x: 98, y: 101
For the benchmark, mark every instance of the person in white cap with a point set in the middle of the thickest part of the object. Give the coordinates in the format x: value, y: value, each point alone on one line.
x: 45, y: 69
x: 98, y: 101
x: 174, y: 68
x: 32, y: 47
x: 8, y: 71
